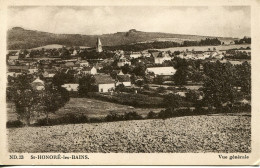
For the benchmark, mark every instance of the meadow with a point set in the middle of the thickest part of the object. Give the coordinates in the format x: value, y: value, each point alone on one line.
x: 91, y: 108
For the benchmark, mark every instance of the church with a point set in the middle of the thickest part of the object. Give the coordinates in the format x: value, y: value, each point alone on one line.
x: 98, y: 46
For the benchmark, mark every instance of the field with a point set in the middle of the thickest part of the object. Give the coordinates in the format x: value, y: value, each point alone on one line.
x: 194, y: 134
x: 90, y: 108
x: 205, y: 48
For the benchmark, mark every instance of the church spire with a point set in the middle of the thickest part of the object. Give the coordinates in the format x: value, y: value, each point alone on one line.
x: 98, y: 45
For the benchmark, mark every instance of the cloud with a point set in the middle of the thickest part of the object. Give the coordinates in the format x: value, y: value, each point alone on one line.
x: 213, y: 21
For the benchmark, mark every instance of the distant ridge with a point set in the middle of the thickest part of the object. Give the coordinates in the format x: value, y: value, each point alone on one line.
x: 20, y: 38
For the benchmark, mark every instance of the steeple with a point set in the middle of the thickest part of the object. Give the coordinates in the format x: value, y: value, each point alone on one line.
x: 98, y: 45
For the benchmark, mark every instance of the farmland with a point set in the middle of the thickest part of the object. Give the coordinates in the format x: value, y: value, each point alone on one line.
x: 89, y: 107
x: 194, y: 134
x: 205, y: 48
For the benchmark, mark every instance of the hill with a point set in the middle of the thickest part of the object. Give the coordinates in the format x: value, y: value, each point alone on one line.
x: 189, y: 134
x: 19, y: 38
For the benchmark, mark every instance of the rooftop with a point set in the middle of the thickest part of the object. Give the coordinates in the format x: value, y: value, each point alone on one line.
x: 104, y: 79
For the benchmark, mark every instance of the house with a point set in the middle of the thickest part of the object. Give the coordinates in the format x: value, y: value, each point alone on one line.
x: 89, y: 70
x: 181, y: 55
x: 49, y: 73
x: 32, y: 70
x: 120, y: 72
x: 77, y: 66
x: 98, y: 66
x: 71, y: 87
x: 105, y: 83
x: 189, y: 56
x: 18, y: 53
x: 161, y: 70
x: 13, y: 74
x: 38, y: 84
x: 146, y: 54
x: 18, y: 68
x: 13, y: 57
x: 206, y: 55
x: 160, y: 57
x: 123, y: 61
x: 74, y: 53
x: 214, y: 54
x: 123, y: 79
x: 69, y: 64
x: 219, y: 56
x: 200, y: 57
x: 84, y: 64
x: 135, y: 55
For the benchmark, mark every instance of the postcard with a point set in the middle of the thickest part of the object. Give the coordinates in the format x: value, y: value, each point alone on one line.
x: 130, y: 82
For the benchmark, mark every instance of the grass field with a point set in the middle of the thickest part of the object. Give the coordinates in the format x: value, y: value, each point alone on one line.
x: 224, y: 134
x: 89, y: 107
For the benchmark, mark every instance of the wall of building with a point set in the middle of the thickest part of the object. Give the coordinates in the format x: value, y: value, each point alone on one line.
x: 105, y: 87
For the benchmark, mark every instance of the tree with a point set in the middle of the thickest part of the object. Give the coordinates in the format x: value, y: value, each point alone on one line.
x: 192, y: 96
x: 86, y: 84
x: 139, y: 70
x: 181, y: 76
x: 139, y: 83
x: 52, y: 98
x: 120, y: 88
x: 60, y: 78
x: 172, y: 102
x: 220, y: 84
x: 243, y: 78
x: 159, y: 80
x: 26, y: 104
x: 126, y: 69
x: 30, y: 103
x: 65, y: 54
x: 24, y: 97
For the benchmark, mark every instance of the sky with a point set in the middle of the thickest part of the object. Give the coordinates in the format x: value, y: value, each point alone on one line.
x: 231, y: 21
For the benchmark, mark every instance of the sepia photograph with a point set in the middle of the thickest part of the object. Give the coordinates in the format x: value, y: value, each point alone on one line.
x: 158, y: 79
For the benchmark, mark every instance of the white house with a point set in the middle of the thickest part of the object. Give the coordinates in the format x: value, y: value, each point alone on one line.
x: 11, y: 74
x: 206, y: 55
x: 84, y: 64
x: 159, y: 58
x: 135, y: 55
x: 32, y: 70
x: 214, y: 54
x: 89, y: 70
x: 71, y: 86
x: 123, y: 79
x: 38, y: 84
x: 146, y: 54
x: 18, y: 53
x: 74, y: 53
x: 161, y: 70
x: 13, y: 57
x: 105, y: 83
x: 219, y: 56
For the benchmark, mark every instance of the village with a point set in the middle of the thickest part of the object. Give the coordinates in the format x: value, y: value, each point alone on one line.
x: 128, y: 69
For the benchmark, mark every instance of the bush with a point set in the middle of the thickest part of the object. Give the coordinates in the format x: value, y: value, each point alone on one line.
x: 146, y: 87
x: 132, y: 116
x: 152, y: 115
x: 112, y: 116
x: 168, y: 113
x: 161, y: 89
x: 14, y: 124
x: 67, y: 119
